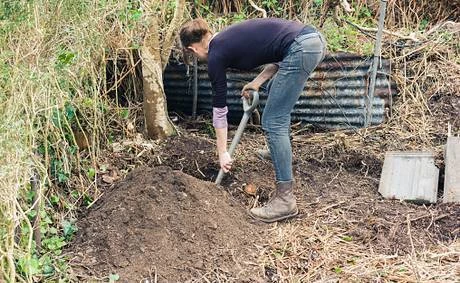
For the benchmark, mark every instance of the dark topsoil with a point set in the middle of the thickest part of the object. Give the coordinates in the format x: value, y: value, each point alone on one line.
x: 170, y: 223
x: 162, y: 222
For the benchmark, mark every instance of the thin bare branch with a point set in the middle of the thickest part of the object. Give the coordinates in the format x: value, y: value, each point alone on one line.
x: 169, y: 38
x: 264, y: 13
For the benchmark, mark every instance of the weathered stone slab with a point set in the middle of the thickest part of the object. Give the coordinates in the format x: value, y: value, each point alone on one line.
x: 410, y: 176
x: 452, y: 174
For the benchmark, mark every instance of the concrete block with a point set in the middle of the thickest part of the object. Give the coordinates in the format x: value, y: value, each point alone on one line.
x: 411, y: 176
x: 452, y: 174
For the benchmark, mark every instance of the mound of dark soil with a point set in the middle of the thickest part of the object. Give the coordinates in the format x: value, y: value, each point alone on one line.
x: 164, y: 223
x: 194, y: 156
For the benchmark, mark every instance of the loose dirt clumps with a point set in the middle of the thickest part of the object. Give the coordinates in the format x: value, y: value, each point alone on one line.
x: 193, y: 155
x: 161, y: 223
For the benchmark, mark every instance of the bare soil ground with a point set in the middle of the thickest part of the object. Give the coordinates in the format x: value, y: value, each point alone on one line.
x: 327, y: 180
x: 167, y: 221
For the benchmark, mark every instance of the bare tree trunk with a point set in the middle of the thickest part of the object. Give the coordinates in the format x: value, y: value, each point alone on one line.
x: 157, y: 122
x: 155, y: 55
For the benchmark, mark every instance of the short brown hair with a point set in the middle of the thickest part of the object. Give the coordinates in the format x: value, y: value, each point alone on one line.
x: 192, y: 32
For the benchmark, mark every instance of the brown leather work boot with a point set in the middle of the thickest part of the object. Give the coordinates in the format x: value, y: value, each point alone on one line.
x: 281, y: 206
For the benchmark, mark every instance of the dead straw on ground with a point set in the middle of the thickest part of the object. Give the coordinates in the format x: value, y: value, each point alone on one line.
x: 314, y: 252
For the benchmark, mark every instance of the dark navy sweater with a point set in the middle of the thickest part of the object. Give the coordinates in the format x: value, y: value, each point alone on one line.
x: 247, y: 45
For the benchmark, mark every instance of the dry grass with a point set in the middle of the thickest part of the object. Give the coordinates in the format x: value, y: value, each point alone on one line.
x: 37, y: 90
x: 312, y: 251
x: 53, y: 85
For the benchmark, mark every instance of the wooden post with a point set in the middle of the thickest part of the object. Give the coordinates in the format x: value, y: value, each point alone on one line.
x: 452, y: 176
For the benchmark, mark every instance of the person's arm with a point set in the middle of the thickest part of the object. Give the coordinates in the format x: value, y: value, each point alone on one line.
x: 217, y: 75
x: 268, y: 72
x: 219, y: 118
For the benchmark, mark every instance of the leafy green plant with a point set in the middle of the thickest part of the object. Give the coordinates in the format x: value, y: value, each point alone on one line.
x: 124, y: 113
x: 87, y: 199
x: 54, y: 199
x: 347, y: 238
x: 131, y: 16
x: 65, y: 58
x: 69, y: 228
x: 91, y: 173
x: 54, y: 244
x: 274, y: 6
x: 28, y: 265
x: 423, y: 24
x: 239, y: 17
x: 113, y: 278
x: 318, y: 2
x: 346, y: 38
x: 209, y: 130
x: 364, y: 13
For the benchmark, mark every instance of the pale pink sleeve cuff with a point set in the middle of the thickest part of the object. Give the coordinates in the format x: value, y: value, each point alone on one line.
x: 219, y: 117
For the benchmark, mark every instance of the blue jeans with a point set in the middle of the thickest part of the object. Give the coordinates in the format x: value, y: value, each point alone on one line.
x: 304, y: 54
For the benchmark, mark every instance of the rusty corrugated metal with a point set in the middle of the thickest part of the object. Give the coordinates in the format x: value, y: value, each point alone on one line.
x: 334, y: 96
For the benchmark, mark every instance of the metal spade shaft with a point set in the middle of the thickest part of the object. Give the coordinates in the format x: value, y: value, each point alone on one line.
x: 248, y: 109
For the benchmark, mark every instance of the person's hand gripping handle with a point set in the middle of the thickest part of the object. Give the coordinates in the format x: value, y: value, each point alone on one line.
x: 248, y: 108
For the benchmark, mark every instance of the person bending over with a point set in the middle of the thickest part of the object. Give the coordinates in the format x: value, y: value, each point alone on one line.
x: 290, y: 52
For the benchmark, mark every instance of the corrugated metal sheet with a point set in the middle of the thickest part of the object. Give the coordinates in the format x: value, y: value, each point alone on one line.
x: 334, y: 96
